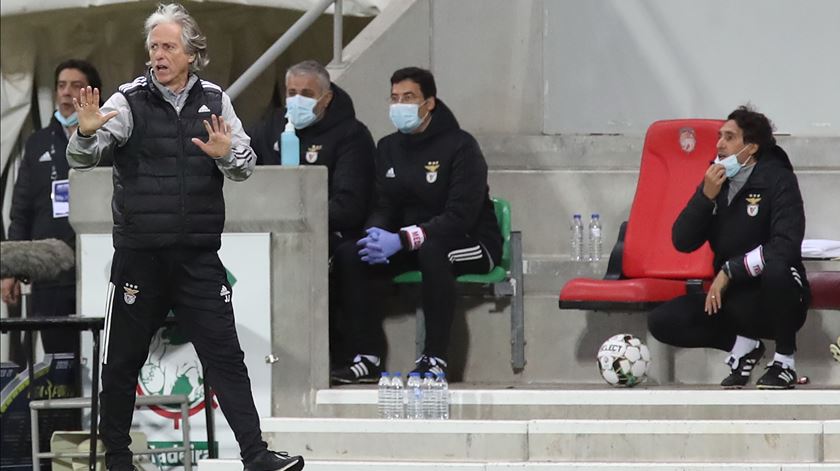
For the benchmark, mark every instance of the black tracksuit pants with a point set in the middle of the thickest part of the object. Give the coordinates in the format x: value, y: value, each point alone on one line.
x: 772, y: 306
x: 145, y: 286
x: 440, y: 260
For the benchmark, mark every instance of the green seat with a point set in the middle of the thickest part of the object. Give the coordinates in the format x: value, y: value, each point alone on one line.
x: 505, y: 281
x: 499, y: 273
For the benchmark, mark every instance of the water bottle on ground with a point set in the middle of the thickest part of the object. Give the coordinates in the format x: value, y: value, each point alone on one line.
x: 430, y: 405
x: 397, y: 409
x: 443, y: 396
x: 595, y: 238
x: 289, y: 146
x: 383, y: 396
x: 577, y: 238
x: 414, y: 391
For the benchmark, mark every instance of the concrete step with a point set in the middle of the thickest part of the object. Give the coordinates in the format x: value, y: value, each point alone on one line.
x: 738, y: 441
x: 589, y: 403
x: 316, y: 465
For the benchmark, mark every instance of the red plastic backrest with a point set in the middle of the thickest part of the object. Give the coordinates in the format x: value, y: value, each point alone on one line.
x: 674, y: 159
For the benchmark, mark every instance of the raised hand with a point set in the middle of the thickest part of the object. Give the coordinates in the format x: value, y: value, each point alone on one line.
x: 713, y: 181
x: 87, y: 108
x: 218, y: 142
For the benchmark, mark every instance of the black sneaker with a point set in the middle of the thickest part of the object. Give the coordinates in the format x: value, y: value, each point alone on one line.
x: 426, y: 364
x: 361, y: 371
x: 274, y: 461
x: 122, y: 467
x: 743, y: 368
x: 778, y: 376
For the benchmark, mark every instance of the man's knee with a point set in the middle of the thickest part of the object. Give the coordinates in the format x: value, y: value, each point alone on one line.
x: 778, y: 277
x: 433, y: 256
x: 660, y: 323
x: 346, y: 254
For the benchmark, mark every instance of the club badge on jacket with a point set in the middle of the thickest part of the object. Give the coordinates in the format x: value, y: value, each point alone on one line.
x: 312, y: 153
x: 752, y: 208
x: 431, y: 171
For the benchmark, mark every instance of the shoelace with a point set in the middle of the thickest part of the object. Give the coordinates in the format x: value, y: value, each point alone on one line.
x: 835, y: 349
x: 282, y: 454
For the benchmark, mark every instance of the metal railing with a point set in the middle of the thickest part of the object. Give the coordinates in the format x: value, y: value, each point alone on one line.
x: 291, y: 35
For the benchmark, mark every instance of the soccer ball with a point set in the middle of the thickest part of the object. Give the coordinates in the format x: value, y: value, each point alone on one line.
x: 623, y: 360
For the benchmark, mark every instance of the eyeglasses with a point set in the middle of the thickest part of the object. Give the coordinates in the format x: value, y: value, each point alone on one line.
x: 404, y: 98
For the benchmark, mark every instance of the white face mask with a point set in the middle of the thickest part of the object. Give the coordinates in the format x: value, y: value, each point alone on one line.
x: 731, y: 164
x: 406, y: 116
x: 301, y: 110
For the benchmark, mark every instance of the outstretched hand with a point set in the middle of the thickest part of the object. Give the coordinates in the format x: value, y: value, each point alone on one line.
x: 87, y: 109
x: 218, y: 142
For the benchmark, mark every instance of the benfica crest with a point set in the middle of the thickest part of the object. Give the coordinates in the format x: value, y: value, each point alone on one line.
x: 687, y: 140
x: 431, y: 171
x: 752, y: 204
x: 131, y: 292
x: 312, y: 153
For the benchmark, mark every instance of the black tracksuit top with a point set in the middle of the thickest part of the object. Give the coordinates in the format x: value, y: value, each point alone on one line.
x: 767, y: 211
x: 437, y: 180
x: 338, y: 141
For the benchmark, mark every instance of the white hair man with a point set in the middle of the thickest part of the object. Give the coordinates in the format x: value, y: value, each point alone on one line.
x: 173, y: 138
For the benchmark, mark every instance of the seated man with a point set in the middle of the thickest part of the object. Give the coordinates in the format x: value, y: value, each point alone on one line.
x: 433, y: 213
x: 750, y: 210
x: 330, y: 135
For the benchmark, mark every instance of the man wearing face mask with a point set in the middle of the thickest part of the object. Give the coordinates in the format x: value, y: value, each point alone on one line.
x: 750, y: 210
x: 433, y: 213
x: 330, y: 135
x: 34, y: 212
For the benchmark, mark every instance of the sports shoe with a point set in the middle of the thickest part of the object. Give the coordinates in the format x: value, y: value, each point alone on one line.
x: 361, y: 371
x: 122, y: 467
x: 274, y: 461
x: 742, y: 368
x: 426, y: 364
x: 778, y: 376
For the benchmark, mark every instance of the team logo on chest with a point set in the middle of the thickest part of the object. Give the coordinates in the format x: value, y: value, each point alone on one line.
x: 312, y: 153
x: 752, y: 204
x: 432, y: 171
x: 131, y: 292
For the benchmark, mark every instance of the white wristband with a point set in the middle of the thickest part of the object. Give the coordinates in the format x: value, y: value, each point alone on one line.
x: 415, y: 236
x: 754, y: 261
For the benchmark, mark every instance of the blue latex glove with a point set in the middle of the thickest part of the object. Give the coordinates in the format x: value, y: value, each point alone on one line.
x: 379, y: 245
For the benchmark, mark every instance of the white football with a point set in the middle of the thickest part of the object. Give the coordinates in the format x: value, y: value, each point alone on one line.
x: 623, y: 360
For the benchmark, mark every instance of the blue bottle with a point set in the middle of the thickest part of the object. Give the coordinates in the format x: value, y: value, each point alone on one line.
x: 289, y: 146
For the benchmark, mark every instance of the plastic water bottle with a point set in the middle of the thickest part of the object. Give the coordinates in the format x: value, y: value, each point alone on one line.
x: 443, y: 396
x: 595, y: 238
x: 577, y: 238
x: 289, y: 146
x: 414, y: 391
x: 384, y: 396
x: 397, y: 408
x: 430, y: 404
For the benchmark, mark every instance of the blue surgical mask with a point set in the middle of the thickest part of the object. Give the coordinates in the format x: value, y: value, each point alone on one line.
x: 69, y: 121
x: 301, y: 111
x: 405, y: 117
x: 731, y: 164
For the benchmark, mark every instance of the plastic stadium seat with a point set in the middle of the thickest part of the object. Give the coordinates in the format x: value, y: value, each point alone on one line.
x: 825, y: 289
x: 645, y: 269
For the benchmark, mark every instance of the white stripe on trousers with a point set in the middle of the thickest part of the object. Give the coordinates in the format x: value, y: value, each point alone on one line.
x: 469, y: 253
x: 109, y: 306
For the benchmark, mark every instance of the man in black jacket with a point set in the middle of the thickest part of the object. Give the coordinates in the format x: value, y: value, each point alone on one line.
x: 750, y: 210
x: 433, y: 213
x: 37, y: 211
x: 174, y: 138
x: 330, y: 135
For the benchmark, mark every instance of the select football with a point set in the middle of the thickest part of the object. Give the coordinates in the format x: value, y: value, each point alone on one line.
x: 623, y: 360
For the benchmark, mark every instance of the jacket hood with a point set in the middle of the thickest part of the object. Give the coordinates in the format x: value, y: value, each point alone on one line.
x: 776, y: 155
x: 339, y: 110
x: 443, y: 121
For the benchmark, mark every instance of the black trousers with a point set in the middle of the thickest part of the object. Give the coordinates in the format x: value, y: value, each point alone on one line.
x: 440, y: 260
x: 772, y: 306
x: 145, y: 286
x: 56, y: 300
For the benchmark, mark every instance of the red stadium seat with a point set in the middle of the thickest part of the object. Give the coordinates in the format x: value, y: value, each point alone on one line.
x: 645, y: 269
x: 825, y: 289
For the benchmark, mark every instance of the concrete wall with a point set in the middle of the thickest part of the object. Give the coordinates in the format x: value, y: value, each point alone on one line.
x: 607, y: 66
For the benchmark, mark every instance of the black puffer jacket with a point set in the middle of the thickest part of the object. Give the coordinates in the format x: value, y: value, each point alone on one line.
x: 338, y: 141
x: 767, y: 211
x: 437, y: 180
x: 167, y: 191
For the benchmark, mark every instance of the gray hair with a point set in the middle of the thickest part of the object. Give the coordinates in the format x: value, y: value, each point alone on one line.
x: 311, y: 67
x: 192, y: 39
